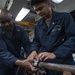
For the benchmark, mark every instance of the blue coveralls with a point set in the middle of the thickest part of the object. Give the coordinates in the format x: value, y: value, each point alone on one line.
x: 59, y: 38
x: 10, y: 48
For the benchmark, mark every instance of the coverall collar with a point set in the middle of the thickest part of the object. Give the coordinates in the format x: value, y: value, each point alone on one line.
x: 55, y: 18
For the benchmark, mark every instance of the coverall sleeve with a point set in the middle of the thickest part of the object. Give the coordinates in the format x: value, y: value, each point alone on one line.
x: 67, y: 47
x: 5, y: 56
x: 36, y: 43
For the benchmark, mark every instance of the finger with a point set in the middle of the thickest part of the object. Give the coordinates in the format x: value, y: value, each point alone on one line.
x: 36, y: 57
x: 45, y: 58
x: 30, y: 58
x: 33, y: 69
x: 40, y: 55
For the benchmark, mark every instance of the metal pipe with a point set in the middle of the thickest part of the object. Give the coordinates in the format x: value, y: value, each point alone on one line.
x: 57, y: 67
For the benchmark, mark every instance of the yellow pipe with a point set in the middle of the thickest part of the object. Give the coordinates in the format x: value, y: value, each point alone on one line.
x: 26, y: 23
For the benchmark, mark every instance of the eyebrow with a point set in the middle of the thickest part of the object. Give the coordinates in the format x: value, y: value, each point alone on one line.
x: 39, y: 8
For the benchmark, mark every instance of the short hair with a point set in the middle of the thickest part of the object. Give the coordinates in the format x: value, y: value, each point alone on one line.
x: 5, y: 11
x: 33, y: 2
x: 5, y: 15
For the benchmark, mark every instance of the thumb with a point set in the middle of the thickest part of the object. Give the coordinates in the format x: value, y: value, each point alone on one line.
x: 36, y: 57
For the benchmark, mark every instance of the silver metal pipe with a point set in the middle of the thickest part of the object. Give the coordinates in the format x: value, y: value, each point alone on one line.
x: 57, y: 67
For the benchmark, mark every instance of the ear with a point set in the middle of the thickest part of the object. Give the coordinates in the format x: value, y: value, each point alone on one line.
x: 49, y: 4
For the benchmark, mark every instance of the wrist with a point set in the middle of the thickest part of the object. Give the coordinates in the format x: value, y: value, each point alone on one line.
x: 21, y: 63
x: 17, y: 62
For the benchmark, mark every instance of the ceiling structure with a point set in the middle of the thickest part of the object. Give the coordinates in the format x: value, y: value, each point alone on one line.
x: 2, y: 4
x: 16, y: 7
x: 66, y: 5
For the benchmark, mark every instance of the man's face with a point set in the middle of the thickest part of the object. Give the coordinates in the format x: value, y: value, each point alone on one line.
x: 42, y: 9
x: 6, y: 25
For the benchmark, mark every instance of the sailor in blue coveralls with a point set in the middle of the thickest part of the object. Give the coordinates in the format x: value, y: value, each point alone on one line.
x: 54, y: 36
x: 12, y: 37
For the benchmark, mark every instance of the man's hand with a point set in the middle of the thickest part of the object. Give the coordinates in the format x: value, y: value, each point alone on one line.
x: 33, y: 55
x: 46, y: 55
x: 26, y: 64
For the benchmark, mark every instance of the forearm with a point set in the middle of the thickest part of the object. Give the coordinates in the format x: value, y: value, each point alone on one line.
x: 19, y: 63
